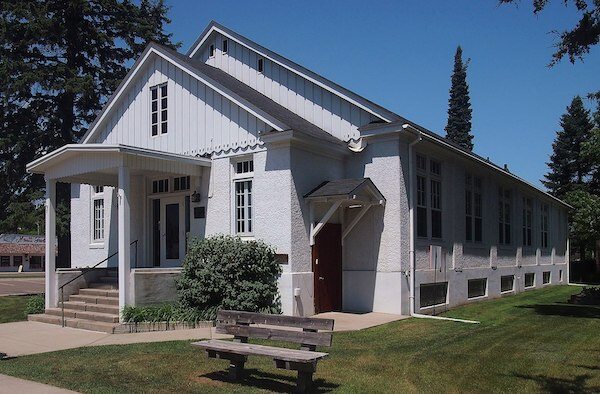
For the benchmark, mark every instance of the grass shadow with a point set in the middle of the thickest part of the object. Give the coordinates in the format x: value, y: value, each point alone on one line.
x: 568, y: 310
x: 270, y: 381
x: 557, y: 385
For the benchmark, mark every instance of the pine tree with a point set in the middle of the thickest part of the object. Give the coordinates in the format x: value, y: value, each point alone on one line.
x: 458, y: 128
x: 569, y: 168
x: 59, y: 62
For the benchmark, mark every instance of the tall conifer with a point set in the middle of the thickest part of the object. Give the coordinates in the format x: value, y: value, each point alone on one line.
x: 458, y: 128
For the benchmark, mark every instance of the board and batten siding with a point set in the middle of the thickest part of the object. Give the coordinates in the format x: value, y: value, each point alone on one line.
x: 200, y: 120
x: 326, y: 110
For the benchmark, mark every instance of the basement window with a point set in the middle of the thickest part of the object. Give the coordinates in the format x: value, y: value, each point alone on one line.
x: 507, y: 283
x: 546, y: 277
x: 560, y: 275
x: 477, y: 288
x: 433, y: 294
x: 529, y: 280
x: 261, y: 64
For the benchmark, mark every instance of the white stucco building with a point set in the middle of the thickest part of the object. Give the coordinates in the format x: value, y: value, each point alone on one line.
x: 368, y: 211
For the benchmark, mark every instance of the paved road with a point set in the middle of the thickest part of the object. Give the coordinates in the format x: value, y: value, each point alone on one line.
x: 17, y: 286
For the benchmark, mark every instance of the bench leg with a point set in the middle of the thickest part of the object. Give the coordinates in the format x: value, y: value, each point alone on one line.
x: 236, y: 368
x: 305, y: 382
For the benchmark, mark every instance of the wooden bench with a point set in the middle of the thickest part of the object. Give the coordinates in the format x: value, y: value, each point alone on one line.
x: 242, y: 326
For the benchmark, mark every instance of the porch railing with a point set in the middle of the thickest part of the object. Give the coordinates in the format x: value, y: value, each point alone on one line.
x: 62, y: 288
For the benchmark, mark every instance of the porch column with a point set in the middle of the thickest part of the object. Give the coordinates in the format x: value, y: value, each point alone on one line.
x: 50, y: 263
x: 124, y: 236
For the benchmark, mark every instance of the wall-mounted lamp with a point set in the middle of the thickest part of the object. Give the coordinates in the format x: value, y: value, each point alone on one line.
x: 196, y: 196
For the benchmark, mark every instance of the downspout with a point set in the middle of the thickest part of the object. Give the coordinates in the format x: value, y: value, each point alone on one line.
x: 411, y: 230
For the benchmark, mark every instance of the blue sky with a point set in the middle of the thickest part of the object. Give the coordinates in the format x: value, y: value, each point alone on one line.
x: 399, y: 54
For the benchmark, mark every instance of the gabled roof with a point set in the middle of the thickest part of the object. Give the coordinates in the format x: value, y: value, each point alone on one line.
x: 345, y: 188
x: 315, y: 78
x: 277, y: 116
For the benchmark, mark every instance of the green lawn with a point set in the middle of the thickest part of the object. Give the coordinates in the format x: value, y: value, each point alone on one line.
x: 531, y: 342
x: 12, y: 308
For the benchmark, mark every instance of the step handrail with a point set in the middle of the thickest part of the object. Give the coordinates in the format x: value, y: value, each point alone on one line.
x: 62, y: 288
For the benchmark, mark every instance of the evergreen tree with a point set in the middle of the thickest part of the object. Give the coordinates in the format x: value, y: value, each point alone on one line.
x: 458, y: 128
x: 569, y: 168
x: 59, y: 62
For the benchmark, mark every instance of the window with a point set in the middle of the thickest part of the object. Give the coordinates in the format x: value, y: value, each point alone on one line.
x: 429, y: 201
x: 160, y: 186
x: 476, y: 287
x: 260, y: 64
x: 181, y: 183
x: 211, y: 50
x: 473, y: 209
x: 433, y: 294
x: 4, y: 261
x: 17, y: 261
x: 544, y: 225
x: 225, y: 45
x: 507, y: 283
x: 504, y: 215
x: 546, y: 277
x: 527, y: 219
x: 243, y: 196
x: 159, y: 107
x: 560, y: 276
x: 36, y: 262
x: 98, y: 214
x: 529, y: 279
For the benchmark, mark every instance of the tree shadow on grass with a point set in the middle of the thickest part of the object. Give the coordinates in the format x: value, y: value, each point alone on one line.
x: 270, y: 381
x: 557, y: 385
x: 568, y: 310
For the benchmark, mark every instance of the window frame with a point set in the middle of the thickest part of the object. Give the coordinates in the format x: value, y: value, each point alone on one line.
x: 161, y: 112
x: 485, y: 288
x: 527, y: 222
x: 512, y: 288
x: 245, y: 177
x: 546, y: 275
x: 544, y: 225
x: 532, y: 286
x: 505, y: 204
x: 433, y: 284
x: 5, y: 257
x: 473, y: 211
x: 97, y: 194
x: 429, y: 197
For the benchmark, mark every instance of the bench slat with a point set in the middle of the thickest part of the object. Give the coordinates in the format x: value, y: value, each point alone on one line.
x: 246, y: 349
x: 303, y: 337
x: 310, y: 323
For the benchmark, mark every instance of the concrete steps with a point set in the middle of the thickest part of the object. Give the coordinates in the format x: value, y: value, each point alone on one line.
x: 94, y: 308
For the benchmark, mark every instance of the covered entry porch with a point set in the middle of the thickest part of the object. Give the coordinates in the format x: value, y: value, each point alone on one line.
x: 132, y: 172
x: 337, y: 208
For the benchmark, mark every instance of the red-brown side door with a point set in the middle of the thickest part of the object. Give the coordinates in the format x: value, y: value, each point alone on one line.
x: 327, y: 268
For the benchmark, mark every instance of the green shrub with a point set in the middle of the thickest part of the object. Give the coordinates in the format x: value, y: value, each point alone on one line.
x: 224, y: 272
x: 35, y: 305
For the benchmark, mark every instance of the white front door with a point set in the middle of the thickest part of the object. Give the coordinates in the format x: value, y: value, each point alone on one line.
x: 172, y: 231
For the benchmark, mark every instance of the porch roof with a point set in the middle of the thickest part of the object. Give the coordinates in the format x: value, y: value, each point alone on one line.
x: 98, y: 164
x: 347, y: 189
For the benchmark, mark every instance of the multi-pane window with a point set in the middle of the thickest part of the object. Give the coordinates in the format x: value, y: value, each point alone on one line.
x: 158, y: 109
x: 160, y: 186
x: 504, y: 216
x: 473, y: 209
x: 429, y: 198
x: 17, y: 261
x: 527, y: 221
x: 4, y: 261
x: 181, y: 183
x: 421, y: 206
x: 544, y: 225
x: 98, y: 214
x: 243, y: 196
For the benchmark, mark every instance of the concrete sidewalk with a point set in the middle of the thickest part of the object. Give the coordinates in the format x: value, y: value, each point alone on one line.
x: 348, y: 321
x: 27, y: 337
x: 9, y: 384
